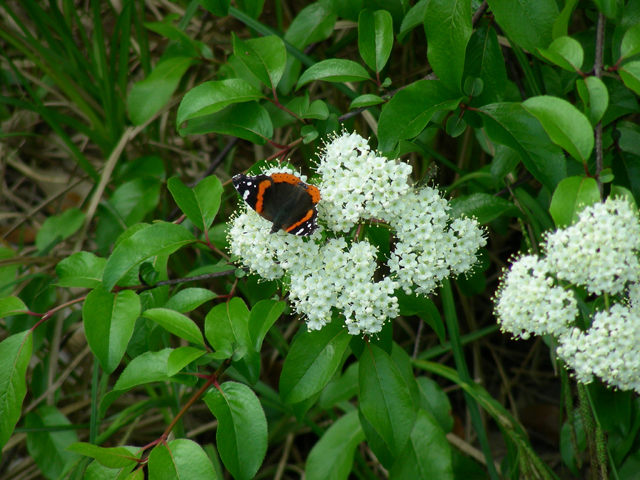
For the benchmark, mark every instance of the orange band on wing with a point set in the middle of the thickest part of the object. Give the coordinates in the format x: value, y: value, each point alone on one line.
x: 286, y: 178
x: 314, y: 192
x: 306, y: 218
x: 262, y: 186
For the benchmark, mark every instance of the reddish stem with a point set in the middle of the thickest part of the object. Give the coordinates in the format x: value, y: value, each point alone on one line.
x: 53, y: 311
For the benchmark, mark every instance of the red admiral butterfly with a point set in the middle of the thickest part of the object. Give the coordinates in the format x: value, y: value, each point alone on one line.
x: 283, y: 199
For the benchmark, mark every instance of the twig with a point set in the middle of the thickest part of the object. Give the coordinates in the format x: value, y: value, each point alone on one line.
x: 597, y: 70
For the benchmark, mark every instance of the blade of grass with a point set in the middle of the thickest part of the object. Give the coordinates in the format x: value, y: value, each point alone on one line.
x: 143, y: 40
x: 471, y: 337
x: 451, y: 320
x: 123, y: 30
x: 54, y: 67
x: 103, y: 77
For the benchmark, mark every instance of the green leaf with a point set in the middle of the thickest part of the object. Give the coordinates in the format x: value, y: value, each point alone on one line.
x: 318, y: 110
x: 15, y: 352
x: 115, y: 457
x: 8, y: 273
x: 181, y: 357
x: 511, y: 125
x: 626, y: 162
x: 11, y: 306
x: 249, y: 121
x: 148, y: 96
x: 630, y: 73
x: 97, y: 471
x: 427, y: 454
x: 375, y: 38
x: 176, y: 323
x: 455, y: 126
x: 436, y: 402
x: 145, y: 368
x: 622, y: 101
x: 82, y: 269
x: 313, y: 24
x: 309, y: 133
x: 424, y: 308
x: 385, y: 400
x: 242, y: 428
x: 331, y: 458
x: 47, y: 446
x: 402, y: 360
x: 263, y: 315
x: 482, y: 206
x: 213, y: 96
x: 133, y: 200
x: 473, y: 87
x: 180, y: 458
x: 58, y: 228
x: 253, y: 8
x: 595, y: 96
x: 608, y: 7
x: 376, y: 443
x: 265, y: 57
x: 561, y: 24
x: 109, y: 319
x: 167, y: 29
x: 219, y: 8
x: 448, y: 28
x: 529, y: 23
x: 158, y: 239
x: 226, y: 327
x: 414, y: 17
x: 201, y: 203
x: 340, y: 388
x: 564, y: 123
x: 334, y: 70
x: 189, y: 299
x: 366, y: 100
x: 504, y: 162
x: 629, y: 140
x: 571, y: 197
x: 410, y: 110
x: 606, y: 175
x: 630, y: 42
x: 565, y: 52
x: 313, y: 359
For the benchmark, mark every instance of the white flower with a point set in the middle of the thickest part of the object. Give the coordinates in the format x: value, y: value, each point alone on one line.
x: 358, y: 184
x: 528, y: 302
x: 609, y: 349
x: 600, y: 251
x: 430, y: 247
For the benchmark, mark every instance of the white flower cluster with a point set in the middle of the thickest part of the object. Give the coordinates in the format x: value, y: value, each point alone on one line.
x: 358, y: 184
x: 531, y: 302
x: 343, y: 278
x: 600, y: 254
x: 328, y: 274
x: 610, y: 349
x: 429, y: 245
